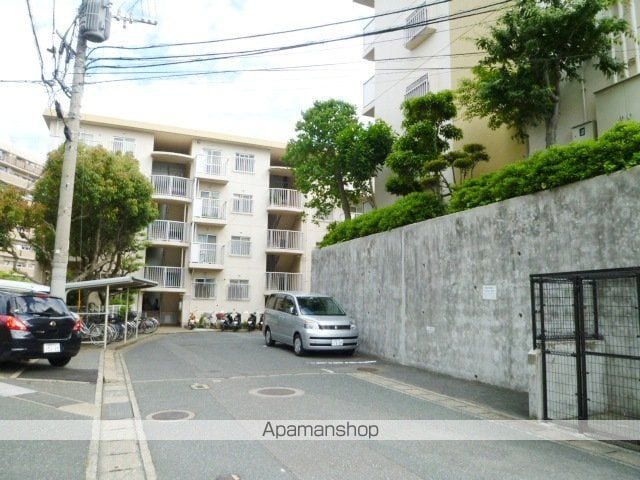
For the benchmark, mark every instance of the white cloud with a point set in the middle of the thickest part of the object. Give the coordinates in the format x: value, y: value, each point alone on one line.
x: 258, y: 104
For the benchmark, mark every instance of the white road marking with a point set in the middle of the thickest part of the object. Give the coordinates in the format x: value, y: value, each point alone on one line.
x: 345, y: 362
x: 8, y: 390
x: 327, y: 370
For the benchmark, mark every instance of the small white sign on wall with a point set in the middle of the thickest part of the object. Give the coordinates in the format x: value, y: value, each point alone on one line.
x: 489, y: 292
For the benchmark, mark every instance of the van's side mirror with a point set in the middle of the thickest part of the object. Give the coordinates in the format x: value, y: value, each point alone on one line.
x: 292, y: 310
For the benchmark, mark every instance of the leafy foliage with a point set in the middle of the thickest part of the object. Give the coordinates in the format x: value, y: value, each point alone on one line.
x: 533, y: 47
x: 415, y: 207
x: 617, y: 149
x: 414, y: 160
x: 111, y: 205
x: 334, y: 156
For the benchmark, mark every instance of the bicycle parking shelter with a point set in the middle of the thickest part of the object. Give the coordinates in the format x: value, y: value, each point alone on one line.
x: 109, y: 286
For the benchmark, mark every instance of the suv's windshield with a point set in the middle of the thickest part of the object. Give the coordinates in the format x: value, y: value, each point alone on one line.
x: 39, y: 305
x: 319, y: 306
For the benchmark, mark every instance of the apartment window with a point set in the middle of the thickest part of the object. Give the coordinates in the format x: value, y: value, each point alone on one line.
x: 212, y: 162
x: 86, y: 138
x: 204, y: 288
x: 238, y: 290
x: 241, y: 246
x: 419, y: 88
x: 245, y: 162
x: 124, y: 145
x: 242, y: 203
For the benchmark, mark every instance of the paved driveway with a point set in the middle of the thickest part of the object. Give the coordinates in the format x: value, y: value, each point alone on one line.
x: 233, y: 376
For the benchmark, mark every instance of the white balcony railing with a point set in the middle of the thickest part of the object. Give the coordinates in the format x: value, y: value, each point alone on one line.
x: 166, y: 277
x: 369, y: 92
x: 207, y: 253
x: 281, y: 281
x: 284, y: 197
x: 368, y: 38
x: 284, y: 239
x: 169, y: 186
x: 167, y: 231
x: 214, y: 167
x: 212, y: 208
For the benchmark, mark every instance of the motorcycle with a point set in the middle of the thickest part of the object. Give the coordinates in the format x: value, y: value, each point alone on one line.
x: 261, y: 322
x: 251, y: 322
x: 231, y: 321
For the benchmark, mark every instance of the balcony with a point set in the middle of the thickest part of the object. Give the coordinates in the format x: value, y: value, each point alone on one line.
x: 417, y: 29
x: 172, y: 157
x: 368, y: 47
x: 283, y: 282
x: 169, y: 188
x: 366, y: 3
x: 284, y: 200
x: 208, y: 256
x: 167, y: 231
x: 212, y: 169
x: 369, y: 97
x: 211, y: 211
x: 168, y: 278
x: 284, y: 241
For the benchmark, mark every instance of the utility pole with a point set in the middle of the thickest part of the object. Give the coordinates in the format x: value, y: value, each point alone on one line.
x: 94, y: 26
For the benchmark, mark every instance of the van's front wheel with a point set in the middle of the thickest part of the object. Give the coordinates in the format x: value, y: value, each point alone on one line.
x: 298, y: 349
x: 267, y: 338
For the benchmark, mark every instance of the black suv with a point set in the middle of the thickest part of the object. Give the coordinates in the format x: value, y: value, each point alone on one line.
x: 36, y: 325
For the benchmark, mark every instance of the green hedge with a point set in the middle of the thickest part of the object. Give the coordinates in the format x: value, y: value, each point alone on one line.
x: 413, y: 208
x: 617, y: 149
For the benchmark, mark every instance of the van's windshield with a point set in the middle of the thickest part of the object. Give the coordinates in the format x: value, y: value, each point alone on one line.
x: 319, y: 306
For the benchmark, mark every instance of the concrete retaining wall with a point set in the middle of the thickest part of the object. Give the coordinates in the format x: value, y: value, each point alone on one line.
x: 452, y: 294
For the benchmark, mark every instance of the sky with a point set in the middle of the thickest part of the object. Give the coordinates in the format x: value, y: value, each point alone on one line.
x: 260, y: 104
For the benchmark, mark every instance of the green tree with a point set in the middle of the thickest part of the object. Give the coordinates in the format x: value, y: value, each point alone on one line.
x: 334, y: 157
x: 532, y: 49
x: 111, y: 204
x: 415, y: 159
x: 14, y: 220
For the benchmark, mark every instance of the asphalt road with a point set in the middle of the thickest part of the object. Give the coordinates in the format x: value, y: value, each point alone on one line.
x: 34, y: 391
x: 214, y: 376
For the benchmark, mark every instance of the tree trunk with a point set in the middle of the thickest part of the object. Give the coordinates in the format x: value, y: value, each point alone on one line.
x: 344, y: 200
x: 551, y: 123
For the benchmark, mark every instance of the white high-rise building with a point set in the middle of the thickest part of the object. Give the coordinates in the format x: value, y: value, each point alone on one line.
x: 231, y: 227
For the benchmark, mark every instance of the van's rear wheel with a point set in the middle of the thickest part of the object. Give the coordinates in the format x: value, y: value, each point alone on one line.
x: 298, y: 349
x: 267, y: 338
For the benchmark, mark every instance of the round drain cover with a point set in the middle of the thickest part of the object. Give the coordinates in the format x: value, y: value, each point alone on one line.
x: 171, y: 415
x: 277, y: 392
x: 367, y: 369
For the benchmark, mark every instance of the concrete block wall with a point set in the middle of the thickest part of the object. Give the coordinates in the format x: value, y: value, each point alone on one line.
x: 452, y: 294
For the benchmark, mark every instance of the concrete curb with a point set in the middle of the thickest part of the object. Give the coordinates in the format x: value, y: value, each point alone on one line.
x: 91, y: 472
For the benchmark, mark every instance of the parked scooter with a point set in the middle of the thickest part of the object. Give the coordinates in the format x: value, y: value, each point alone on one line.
x: 231, y: 321
x: 261, y: 322
x: 251, y: 322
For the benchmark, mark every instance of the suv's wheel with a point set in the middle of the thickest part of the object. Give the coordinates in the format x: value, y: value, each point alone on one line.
x: 267, y: 338
x: 59, y: 361
x: 298, y: 349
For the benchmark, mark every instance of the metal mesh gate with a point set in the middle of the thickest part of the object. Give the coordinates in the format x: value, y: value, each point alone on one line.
x: 587, y: 326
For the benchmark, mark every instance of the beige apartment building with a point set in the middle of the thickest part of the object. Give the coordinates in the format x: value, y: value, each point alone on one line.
x: 231, y: 227
x: 430, y: 57
x: 20, y: 171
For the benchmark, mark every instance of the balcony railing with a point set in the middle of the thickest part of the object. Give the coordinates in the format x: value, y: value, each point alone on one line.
x: 368, y: 40
x: 369, y: 96
x: 167, y: 231
x: 169, y: 186
x: 213, y: 167
x: 166, y: 277
x: 284, y: 239
x: 281, y: 281
x: 284, y: 197
x: 207, y: 253
x: 212, y: 208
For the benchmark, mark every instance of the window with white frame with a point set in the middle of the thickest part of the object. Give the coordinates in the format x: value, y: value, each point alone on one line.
x: 241, y: 246
x: 204, y: 288
x: 124, y: 144
x: 86, y: 138
x: 242, y: 203
x: 245, y: 162
x: 238, y: 290
x: 212, y: 161
x: 419, y: 88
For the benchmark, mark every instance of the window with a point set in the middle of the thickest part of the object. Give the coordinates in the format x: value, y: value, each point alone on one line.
x: 213, y: 162
x: 419, y: 88
x: 241, y: 246
x: 242, y: 203
x: 124, y: 144
x: 204, y: 288
x: 245, y: 162
x: 86, y: 138
x: 238, y: 290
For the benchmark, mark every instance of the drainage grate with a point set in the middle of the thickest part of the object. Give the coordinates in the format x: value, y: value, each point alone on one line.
x: 171, y: 415
x: 277, y: 392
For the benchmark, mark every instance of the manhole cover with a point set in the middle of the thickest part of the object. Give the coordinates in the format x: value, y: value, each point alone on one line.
x: 277, y: 392
x: 171, y: 415
x: 367, y: 369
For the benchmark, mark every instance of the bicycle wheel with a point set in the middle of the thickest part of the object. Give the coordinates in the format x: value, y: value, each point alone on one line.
x: 96, y: 334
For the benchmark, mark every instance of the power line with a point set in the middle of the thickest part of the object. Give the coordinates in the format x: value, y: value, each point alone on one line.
x: 35, y: 37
